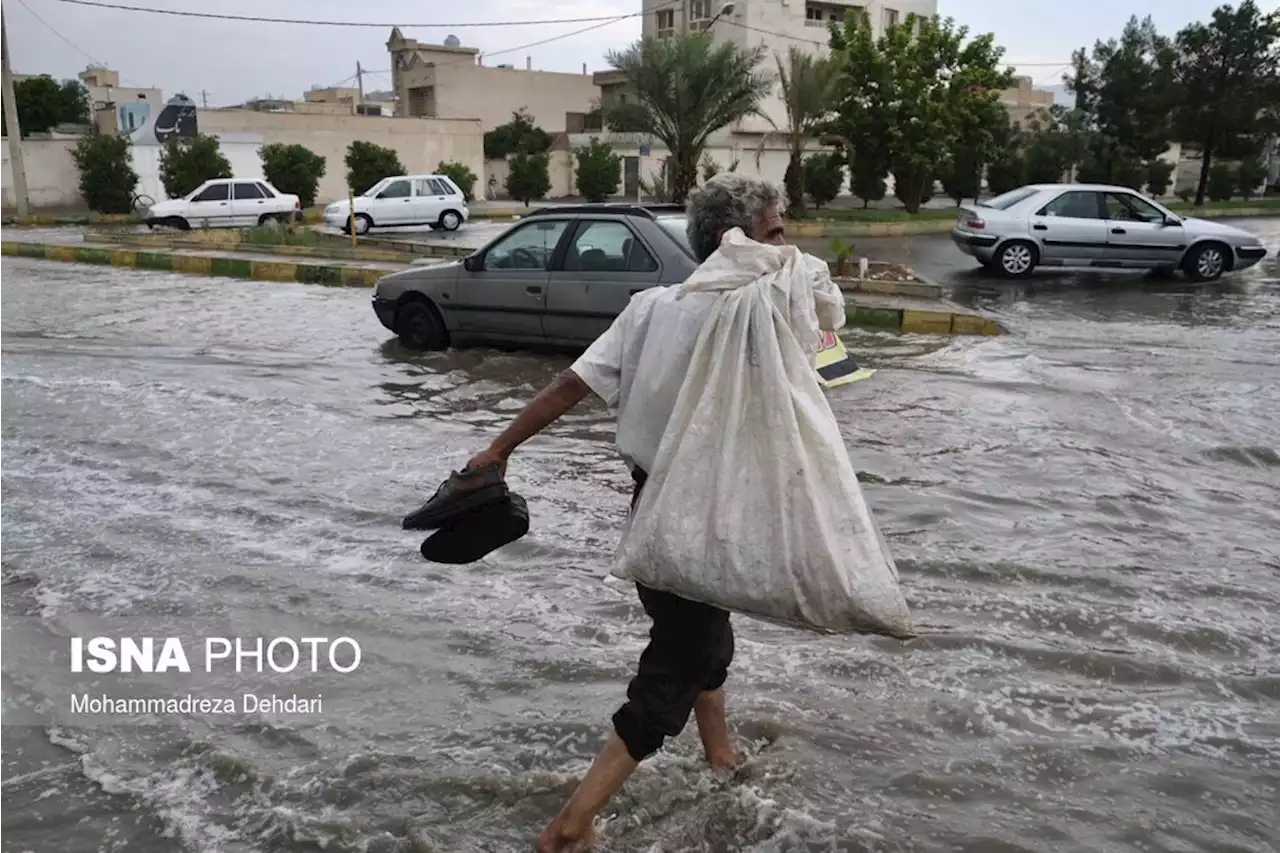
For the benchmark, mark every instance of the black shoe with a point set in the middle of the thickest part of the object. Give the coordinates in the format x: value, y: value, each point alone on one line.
x: 479, y: 532
x: 463, y: 492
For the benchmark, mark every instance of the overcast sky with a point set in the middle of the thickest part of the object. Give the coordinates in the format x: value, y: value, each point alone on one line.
x: 232, y: 61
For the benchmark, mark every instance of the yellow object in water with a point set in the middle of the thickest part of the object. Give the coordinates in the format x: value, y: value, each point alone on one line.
x: 834, y: 364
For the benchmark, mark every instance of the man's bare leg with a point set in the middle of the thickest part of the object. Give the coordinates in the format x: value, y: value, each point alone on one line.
x: 714, y: 730
x: 572, y: 830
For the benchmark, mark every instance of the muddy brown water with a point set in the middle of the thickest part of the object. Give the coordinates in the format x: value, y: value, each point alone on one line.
x: 1083, y: 511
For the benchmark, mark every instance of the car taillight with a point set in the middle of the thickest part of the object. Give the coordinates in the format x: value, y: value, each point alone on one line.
x: 975, y: 223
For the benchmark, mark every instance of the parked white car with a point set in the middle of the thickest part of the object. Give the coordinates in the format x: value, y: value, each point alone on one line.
x: 1096, y: 225
x: 431, y: 200
x: 226, y: 203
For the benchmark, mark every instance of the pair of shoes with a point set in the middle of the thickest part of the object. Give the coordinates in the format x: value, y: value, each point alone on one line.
x: 473, y: 513
x: 479, y: 532
x: 463, y: 492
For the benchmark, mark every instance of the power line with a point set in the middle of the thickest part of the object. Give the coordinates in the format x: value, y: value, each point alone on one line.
x: 262, y: 20
x: 51, y: 29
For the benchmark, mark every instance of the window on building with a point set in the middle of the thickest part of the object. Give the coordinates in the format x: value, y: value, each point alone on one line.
x: 813, y: 16
x: 891, y: 18
x: 666, y: 22
x: 700, y: 10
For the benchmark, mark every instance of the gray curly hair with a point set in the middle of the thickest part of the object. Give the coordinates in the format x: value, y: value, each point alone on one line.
x: 727, y: 201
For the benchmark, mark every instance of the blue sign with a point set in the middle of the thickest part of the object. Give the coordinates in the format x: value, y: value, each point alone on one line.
x: 646, y: 148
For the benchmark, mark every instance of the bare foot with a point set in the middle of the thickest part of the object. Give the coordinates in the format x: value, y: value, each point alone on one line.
x: 558, y: 837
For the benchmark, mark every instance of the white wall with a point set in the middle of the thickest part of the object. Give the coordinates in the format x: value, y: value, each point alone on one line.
x: 241, y: 150
x: 52, y: 177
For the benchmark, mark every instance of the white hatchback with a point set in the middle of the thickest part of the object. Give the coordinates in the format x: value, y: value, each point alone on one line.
x: 431, y: 200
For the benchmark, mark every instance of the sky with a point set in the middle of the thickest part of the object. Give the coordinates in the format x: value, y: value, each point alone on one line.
x: 227, y: 62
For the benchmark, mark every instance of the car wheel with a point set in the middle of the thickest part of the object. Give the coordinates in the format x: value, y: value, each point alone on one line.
x: 451, y: 220
x: 363, y: 223
x: 1016, y: 259
x: 419, y: 326
x: 180, y: 223
x: 1206, y: 262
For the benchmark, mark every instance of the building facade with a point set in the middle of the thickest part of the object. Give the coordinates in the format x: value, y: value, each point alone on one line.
x: 447, y: 81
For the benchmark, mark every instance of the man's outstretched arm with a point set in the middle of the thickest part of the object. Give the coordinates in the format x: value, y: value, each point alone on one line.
x: 565, y: 391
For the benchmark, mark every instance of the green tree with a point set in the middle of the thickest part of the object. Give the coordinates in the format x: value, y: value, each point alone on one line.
x: 688, y: 87
x: 1008, y: 171
x: 823, y: 176
x: 529, y: 178
x: 460, y: 174
x: 809, y: 84
x: 599, y: 171
x: 107, y: 179
x: 866, y: 176
x: 1127, y: 89
x: 520, y: 135
x: 1249, y: 177
x: 919, y: 91
x: 1159, y: 175
x: 1053, y: 142
x: 1228, y: 70
x: 368, y: 163
x: 186, y: 162
x: 1222, y: 182
x: 293, y: 169
x: 43, y: 103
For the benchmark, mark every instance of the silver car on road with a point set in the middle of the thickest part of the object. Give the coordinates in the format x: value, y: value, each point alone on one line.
x: 1095, y: 225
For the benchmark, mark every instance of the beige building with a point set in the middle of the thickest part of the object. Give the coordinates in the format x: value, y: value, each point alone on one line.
x: 1023, y: 101
x: 447, y: 81
x: 116, y: 108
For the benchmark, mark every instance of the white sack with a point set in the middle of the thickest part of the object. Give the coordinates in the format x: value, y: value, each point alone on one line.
x: 753, y: 504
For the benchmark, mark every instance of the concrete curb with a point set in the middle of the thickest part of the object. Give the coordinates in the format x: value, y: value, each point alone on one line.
x: 920, y: 322
x: 212, y: 265
x: 333, y: 250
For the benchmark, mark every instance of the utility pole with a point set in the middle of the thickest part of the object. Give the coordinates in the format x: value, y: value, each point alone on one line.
x: 360, y: 87
x: 16, y: 163
x: 204, y: 99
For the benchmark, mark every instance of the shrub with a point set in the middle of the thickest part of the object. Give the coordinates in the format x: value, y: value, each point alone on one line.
x: 107, y: 179
x: 368, y: 163
x: 461, y: 175
x: 823, y: 176
x: 187, y: 162
x: 710, y: 168
x: 1128, y: 173
x: 1222, y: 182
x: 599, y: 171
x: 1006, y: 173
x: 518, y: 136
x: 293, y: 169
x: 1186, y: 194
x: 1159, y: 176
x: 1250, y: 176
x: 868, y: 181
x: 528, y: 178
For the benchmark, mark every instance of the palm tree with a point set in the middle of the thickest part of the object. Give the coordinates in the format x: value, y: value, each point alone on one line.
x: 809, y: 86
x: 688, y: 87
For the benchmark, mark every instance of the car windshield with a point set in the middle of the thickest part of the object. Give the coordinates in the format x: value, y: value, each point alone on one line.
x: 376, y: 188
x: 1007, y: 200
x: 676, y: 226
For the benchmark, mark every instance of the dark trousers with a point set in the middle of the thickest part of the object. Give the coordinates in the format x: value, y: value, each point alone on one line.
x: 690, y: 649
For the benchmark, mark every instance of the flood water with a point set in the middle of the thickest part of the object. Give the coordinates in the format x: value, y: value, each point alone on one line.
x: 1084, y: 514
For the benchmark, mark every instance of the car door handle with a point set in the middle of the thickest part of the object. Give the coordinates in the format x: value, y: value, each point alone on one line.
x: 1118, y: 231
x: 533, y: 288
x: 1039, y: 227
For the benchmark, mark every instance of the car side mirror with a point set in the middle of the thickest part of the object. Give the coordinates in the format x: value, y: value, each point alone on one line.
x: 472, y: 263
x: 1172, y: 220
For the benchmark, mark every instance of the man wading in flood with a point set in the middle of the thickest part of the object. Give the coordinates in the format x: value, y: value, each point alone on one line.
x: 684, y: 667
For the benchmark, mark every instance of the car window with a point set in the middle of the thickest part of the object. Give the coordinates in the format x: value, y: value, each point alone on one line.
x: 438, y: 187
x: 1073, y: 205
x: 247, y: 191
x: 214, y: 192
x: 528, y: 247
x: 1004, y: 201
x: 603, y: 246
x: 396, y: 189
x: 1132, y: 208
x: 678, y: 228
x: 267, y: 192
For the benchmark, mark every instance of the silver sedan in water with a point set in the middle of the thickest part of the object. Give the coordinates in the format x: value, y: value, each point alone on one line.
x: 1095, y: 225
